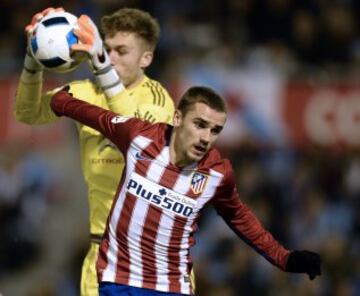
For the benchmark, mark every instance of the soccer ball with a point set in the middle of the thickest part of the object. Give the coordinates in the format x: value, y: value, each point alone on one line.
x: 51, y: 41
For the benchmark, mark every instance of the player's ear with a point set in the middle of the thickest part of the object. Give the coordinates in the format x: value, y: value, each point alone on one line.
x: 146, y: 59
x: 177, y: 118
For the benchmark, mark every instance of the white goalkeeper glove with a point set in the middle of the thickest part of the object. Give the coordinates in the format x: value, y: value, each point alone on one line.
x: 30, y: 65
x: 90, y: 42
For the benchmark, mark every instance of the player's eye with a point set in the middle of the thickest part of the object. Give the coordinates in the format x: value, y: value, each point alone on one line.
x: 200, y: 124
x: 216, y: 130
x: 121, y: 52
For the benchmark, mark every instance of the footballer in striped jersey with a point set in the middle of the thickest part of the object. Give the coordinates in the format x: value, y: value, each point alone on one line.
x: 171, y: 173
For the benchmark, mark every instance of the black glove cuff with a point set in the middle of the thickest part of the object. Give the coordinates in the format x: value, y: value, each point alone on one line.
x: 304, y: 262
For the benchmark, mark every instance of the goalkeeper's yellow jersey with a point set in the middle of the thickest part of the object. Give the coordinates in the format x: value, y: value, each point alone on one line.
x: 102, y: 163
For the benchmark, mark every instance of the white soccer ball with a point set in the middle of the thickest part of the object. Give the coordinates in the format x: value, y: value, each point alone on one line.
x: 51, y: 41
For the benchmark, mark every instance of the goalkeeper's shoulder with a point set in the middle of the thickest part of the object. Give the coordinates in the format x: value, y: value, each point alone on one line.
x: 155, y: 93
x: 154, y: 102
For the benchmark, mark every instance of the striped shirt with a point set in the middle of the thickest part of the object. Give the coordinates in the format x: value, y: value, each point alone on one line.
x: 154, y: 215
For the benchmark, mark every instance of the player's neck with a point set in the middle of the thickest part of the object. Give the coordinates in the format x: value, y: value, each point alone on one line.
x: 177, y: 157
x: 136, y: 82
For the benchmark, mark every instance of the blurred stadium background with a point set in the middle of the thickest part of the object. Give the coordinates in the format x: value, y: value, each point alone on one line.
x: 290, y: 72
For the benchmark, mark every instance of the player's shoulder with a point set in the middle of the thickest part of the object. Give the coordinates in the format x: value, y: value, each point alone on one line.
x: 155, y: 131
x: 213, y: 160
x: 152, y: 83
x: 155, y: 91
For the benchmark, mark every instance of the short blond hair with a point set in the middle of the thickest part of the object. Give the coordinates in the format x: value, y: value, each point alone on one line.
x: 135, y: 21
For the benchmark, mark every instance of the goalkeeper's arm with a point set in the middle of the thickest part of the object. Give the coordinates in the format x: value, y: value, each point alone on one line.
x: 92, y: 44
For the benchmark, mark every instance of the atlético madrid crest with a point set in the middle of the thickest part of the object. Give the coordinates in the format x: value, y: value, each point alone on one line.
x: 198, y: 182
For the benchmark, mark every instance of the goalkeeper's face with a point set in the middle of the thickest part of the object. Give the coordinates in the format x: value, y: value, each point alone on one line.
x: 129, y: 56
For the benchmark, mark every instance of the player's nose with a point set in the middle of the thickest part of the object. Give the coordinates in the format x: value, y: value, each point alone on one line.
x: 112, y: 56
x: 205, y: 136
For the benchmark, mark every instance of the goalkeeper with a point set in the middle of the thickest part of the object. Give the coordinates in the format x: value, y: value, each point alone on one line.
x: 118, y: 63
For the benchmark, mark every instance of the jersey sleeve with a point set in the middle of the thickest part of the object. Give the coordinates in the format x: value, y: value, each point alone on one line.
x: 119, y: 129
x: 31, y: 106
x: 245, y: 224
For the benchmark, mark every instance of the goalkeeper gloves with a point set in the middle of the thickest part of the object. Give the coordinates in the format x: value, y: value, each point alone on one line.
x: 30, y: 65
x: 37, y: 17
x: 92, y: 44
x: 304, y: 262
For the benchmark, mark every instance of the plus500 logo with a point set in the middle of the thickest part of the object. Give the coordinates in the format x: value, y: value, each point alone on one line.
x: 160, y: 198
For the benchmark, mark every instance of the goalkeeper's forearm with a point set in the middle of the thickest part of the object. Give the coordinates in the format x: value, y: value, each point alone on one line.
x: 109, y: 80
x: 28, y: 94
x: 91, y: 43
x: 32, y: 72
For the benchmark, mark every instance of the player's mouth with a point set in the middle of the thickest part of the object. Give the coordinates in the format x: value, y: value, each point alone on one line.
x: 200, y: 149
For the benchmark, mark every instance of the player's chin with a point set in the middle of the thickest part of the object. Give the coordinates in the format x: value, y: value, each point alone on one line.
x: 124, y: 78
x: 196, y: 156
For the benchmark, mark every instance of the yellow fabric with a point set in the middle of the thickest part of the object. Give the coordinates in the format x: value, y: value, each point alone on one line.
x: 89, y: 284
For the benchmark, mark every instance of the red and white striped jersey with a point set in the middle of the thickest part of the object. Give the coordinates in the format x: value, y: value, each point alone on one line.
x: 154, y: 214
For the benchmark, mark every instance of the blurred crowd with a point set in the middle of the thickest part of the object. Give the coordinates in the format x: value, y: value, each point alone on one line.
x: 308, y: 197
x: 299, y: 36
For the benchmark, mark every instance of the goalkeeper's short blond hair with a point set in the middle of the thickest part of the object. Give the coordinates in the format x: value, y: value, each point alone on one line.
x: 134, y: 21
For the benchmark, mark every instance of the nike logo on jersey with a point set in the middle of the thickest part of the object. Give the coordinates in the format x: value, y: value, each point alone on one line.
x: 140, y: 157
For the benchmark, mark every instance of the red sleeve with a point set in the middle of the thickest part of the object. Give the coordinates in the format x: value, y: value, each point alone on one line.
x: 245, y: 224
x: 119, y: 129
